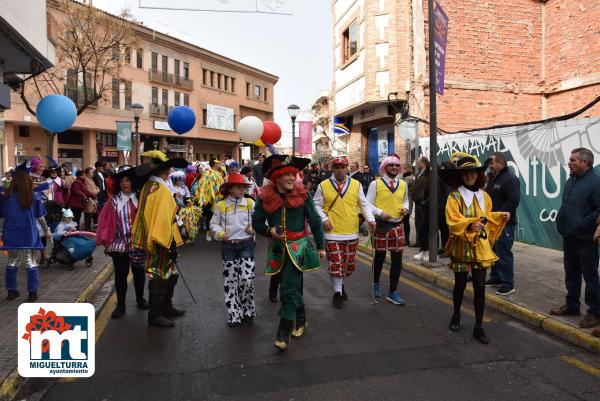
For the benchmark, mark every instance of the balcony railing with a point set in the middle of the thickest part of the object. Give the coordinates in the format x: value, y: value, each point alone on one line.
x: 159, y: 109
x: 78, y: 95
x: 170, y: 79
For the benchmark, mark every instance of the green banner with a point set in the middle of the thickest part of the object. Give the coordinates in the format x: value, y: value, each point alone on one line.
x: 538, y: 155
x: 124, y: 136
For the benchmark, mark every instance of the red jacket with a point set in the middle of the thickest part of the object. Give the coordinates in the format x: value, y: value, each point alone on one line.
x: 78, y: 194
x: 189, y: 179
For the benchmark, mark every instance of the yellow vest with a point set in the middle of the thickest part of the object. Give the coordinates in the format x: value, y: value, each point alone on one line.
x: 390, y: 202
x: 344, y: 213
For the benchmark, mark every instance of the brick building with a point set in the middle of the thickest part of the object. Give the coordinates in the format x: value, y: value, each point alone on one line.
x: 162, y: 72
x: 506, y: 62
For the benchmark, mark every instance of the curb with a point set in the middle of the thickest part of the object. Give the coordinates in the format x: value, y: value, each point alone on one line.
x: 11, y: 385
x: 542, y: 321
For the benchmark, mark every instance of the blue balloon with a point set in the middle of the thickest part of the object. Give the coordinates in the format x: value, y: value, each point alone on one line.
x: 181, y: 119
x: 56, y: 113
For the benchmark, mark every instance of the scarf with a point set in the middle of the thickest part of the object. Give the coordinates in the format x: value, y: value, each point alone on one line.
x: 273, y: 200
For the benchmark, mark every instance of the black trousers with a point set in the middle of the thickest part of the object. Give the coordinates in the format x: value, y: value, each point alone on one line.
x: 460, y: 284
x: 423, y: 228
x: 77, y: 216
x: 122, y: 263
x: 406, y: 223
x: 395, y: 268
x: 208, y: 214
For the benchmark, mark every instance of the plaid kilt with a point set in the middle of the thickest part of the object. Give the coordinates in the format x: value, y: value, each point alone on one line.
x: 341, y: 257
x: 392, y: 240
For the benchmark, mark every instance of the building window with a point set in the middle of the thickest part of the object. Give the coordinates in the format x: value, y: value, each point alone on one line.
x: 115, y: 52
x: 226, y: 83
x: 154, y: 61
x: 204, y: 76
x: 127, y: 52
x: 139, y: 58
x: 165, y: 64
x: 23, y: 131
x: 116, y: 95
x: 350, y: 42
x: 186, y: 70
x: 204, y: 117
x: 232, y: 85
x: 186, y: 99
x: 212, y: 79
x: 219, y: 81
x: 265, y: 95
x: 106, y: 139
x: 177, y: 98
x: 154, y: 95
x: 165, y: 97
x: 176, y: 64
x: 128, y: 91
x: 248, y: 89
x: 257, y: 91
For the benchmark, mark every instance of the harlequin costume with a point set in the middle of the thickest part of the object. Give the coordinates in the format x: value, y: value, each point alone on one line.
x: 21, y: 237
x: 288, y: 214
x: 470, y: 251
x: 339, y: 203
x: 207, y: 194
x: 232, y: 217
x: 156, y: 230
x: 388, y: 194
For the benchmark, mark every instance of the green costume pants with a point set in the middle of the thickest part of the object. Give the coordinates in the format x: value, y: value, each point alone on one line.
x: 290, y: 292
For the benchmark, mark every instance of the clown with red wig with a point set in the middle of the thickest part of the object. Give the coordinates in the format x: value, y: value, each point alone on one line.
x: 281, y: 212
x: 338, y: 199
x: 388, y: 196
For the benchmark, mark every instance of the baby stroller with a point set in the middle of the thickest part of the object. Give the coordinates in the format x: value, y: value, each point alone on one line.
x: 73, y: 247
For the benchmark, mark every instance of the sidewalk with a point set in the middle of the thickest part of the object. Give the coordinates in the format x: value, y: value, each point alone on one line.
x: 56, y: 285
x: 539, y: 284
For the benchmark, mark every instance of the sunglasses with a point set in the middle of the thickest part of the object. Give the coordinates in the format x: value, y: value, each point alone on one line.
x: 393, y: 165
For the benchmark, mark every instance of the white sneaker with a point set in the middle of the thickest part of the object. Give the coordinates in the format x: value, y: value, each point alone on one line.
x: 425, y: 257
x: 208, y: 236
x: 419, y: 256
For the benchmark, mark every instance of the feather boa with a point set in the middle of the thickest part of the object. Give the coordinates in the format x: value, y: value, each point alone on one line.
x: 272, y: 200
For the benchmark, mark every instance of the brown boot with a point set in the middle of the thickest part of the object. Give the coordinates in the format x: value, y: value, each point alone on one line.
x: 589, y: 321
x: 564, y: 311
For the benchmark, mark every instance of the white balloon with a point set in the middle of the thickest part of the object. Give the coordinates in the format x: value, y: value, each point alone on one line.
x: 250, y: 128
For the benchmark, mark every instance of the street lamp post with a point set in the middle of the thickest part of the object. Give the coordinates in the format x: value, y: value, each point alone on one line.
x: 137, y: 112
x: 293, y: 110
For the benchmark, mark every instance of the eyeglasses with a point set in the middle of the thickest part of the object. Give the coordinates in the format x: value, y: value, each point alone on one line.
x: 393, y: 165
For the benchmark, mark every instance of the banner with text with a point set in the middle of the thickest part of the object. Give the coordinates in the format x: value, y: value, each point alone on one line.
x: 440, y: 38
x: 123, y: 135
x: 538, y: 155
x: 219, y: 117
x: 305, y: 129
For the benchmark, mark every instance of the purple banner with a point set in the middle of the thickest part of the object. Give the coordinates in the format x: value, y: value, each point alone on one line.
x: 440, y: 38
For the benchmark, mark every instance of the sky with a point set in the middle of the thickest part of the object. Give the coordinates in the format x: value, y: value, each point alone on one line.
x: 297, y: 48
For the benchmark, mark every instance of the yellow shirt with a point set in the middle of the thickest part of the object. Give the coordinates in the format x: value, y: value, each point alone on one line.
x: 343, y: 212
x: 391, y: 202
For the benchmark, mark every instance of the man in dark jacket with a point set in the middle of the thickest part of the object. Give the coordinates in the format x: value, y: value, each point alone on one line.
x: 421, y: 199
x: 504, y: 189
x: 576, y: 222
x: 324, y: 174
x: 257, y: 170
x: 100, y: 182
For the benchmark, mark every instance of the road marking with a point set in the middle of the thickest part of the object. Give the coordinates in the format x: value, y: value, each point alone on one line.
x: 425, y: 290
x: 581, y: 365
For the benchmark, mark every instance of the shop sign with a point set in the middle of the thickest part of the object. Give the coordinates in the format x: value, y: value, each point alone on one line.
x: 371, y: 113
x: 161, y: 125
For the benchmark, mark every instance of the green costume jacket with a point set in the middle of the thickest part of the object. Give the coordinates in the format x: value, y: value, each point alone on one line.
x: 299, y: 248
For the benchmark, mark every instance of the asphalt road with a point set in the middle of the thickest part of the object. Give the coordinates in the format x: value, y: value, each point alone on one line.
x: 361, y: 352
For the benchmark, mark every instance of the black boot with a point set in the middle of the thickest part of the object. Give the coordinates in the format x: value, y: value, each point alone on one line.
x: 12, y: 295
x: 118, y: 312
x: 300, y: 325
x: 337, y: 300
x: 283, y: 333
x: 142, y: 304
x: 273, y: 287
x: 344, y: 295
x: 157, y: 294
x: 480, y: 335
x: 455, y: 322
x: 169, y: 310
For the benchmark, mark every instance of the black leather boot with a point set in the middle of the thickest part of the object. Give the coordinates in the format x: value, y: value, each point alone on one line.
x: 455, y: 323
x: 169, y: 310
x: 283, y: 333
x: 480, y: 335
x: 300, y: 325
x: 156, y: 295
x: 118, y: 312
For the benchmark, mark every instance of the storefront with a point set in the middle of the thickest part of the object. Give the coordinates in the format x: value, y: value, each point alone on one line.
x: 70, y: 149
